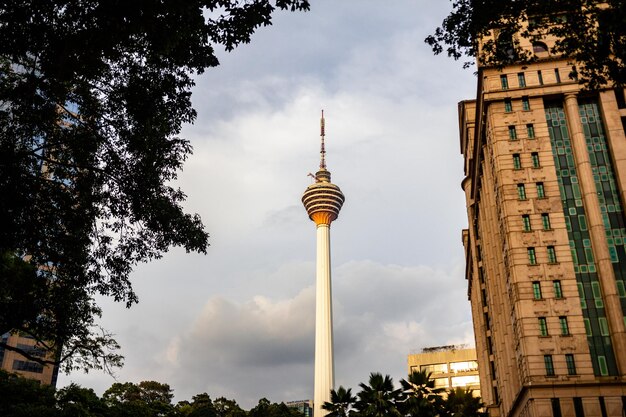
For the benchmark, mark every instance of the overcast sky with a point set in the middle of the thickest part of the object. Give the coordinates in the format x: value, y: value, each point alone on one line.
x: 239, y: 321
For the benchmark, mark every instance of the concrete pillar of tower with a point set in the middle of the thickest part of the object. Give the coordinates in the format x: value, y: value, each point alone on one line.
x: 595, y: 224
x: 324, y: 362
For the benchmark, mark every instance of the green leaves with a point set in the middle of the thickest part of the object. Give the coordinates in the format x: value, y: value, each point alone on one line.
x: 93, y: 97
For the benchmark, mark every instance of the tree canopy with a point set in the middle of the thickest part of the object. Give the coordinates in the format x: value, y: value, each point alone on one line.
x: 93, y: 96
x: 589, y: 32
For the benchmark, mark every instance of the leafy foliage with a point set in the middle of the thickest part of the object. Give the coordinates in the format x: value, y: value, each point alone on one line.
x: 93, y: 96
x: 589, y: 32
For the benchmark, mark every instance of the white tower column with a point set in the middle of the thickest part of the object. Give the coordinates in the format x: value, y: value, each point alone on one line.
x: 324, y: 362
x: 323, y: 201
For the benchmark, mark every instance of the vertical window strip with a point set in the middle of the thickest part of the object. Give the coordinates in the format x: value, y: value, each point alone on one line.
x: 582, y: 255
x: 547, y: 360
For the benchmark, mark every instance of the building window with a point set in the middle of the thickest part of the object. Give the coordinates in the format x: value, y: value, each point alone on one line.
x: 521, y: 192
x: 619, y: 97
x: 551, y: 255
x: 517, y: 161
x: 564, y: 326
x: 508, y: 105
x: 558, y: 292
x: 525, y: 103
x: 512, y: 133
x: 557, y: 76
x: 536, y: 290
x: 521, y: 80
x: 579, y: 411
x: 532, y: 257
x: 504, y: 82
x: 27, y: 366
x: 545, y: 221
x: 530, y: 131
x: 547, y: 360
x: 534, y: 157
x: 540, y: 77
x: 543, y: 326
x: 526, y: 223
x: 571, y: 365
x: 556, y: 407
x: 541, y: 193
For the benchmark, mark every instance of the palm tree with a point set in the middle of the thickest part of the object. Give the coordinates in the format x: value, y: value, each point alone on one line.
x: 421, y: 398
x: 462, y: 403
x: 340, y: 403
x: 379, y: 398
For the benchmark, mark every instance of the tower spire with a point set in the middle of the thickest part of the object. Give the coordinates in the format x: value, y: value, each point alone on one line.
x: 322, y: 149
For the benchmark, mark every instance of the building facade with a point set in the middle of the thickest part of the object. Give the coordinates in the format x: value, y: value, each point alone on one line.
x: 545, y: 182
x: 14, y: 362
x: 450, y: 367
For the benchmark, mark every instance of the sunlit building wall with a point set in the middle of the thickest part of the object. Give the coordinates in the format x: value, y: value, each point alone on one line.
x: 545, y: 181
x: 450, y: 366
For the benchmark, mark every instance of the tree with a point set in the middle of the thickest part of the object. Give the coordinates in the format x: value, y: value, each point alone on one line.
x: 341, y: 402
x: 23, y: 397
x: 461, y: 403
x: 148, y: 398
x: 589, y: 32
x: 93, y: 96
x: 379, y: 398
x: 421, y: 398
x: 227, y: 408
x: 267, y: 409
x: 75, y: 401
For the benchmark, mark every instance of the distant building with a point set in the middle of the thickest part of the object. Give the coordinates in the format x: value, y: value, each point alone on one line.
x: 304, y: 406
x: 451, y: 366
x: 14, y: 362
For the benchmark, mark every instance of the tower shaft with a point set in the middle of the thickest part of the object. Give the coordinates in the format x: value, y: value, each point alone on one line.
x: 324, y: 362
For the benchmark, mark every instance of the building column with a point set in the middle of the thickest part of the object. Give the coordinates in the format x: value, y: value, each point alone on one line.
x: 596, y: 228
x: 324, y: 362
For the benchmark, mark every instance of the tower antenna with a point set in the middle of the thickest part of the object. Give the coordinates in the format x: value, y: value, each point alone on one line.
x: 323, y: 149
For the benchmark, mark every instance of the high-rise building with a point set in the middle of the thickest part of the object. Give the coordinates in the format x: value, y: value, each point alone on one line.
x: 14, y: 362
x: 303, y: 406
x: 323, y: 201
x: 545, y: 183
x: 452, y: 366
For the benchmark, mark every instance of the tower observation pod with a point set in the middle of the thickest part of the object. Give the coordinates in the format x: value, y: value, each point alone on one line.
x: 322, y: 201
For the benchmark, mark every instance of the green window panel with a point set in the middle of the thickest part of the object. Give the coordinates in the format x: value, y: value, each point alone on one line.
x: 530, y: 131
x: 517, y: 161
x: 508, y: 105
x: 532, y: 256
x: 571, y: 365
x: 521, y: 192
x: 512, y: 133
x: 525, y: 103
x: 551, y: 255
x: 526, y: 223
x: 558, y: 291
x: 534, y: 157
x: 521, y: 79
x: 547, y: 360
x: 563, y: 325
x: 545, y: 221
x: 504, y: 82
x: 536, y: 290
x: 576, y: 225
x: 543, y: 326
x: 541, y: 193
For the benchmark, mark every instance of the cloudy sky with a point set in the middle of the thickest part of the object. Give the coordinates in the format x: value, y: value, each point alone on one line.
x: 239, y: 321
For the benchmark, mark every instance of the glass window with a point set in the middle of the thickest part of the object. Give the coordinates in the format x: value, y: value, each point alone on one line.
x: 512, y: 133
x: 541, y: 193
x: 539, y: 47
x: 543, y: 326
x: 441, y: 382
x: 557, y: 76
x: 556, y: 407
x: 465, y: 366
x: 551, y: 255
x: 540, y: 77
x: 563, y: 325
x: 464, y: 381
x: 547, y: 360
x: 521, y: 192
x: 525, y: 103
x: 508, y: 105
x: 517, y: 161
x: 545, y: 221
x: 530, y: 131
x: 435, y: 368
x: 526, y: 223
x: 571, y: 365
x: 504, y: 82
x: 521, y: 80
x: 532, y: 257
x: 558, y: 292
x: 534, y: 157
x: 536, y: 290
x: 579, y: 410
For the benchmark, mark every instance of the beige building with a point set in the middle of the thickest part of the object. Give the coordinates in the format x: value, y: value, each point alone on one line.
x: 545, y: 180
x: 450, y: 366
x: 15, y: 363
